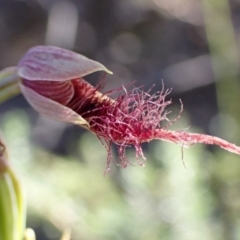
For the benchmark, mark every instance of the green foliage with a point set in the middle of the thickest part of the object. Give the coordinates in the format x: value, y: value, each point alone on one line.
x: 161, y: 201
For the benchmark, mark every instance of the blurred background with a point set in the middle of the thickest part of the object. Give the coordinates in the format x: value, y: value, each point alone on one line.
x: 194, y: 46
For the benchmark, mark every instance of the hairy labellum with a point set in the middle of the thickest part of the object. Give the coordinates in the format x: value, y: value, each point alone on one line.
x: 51, y: 80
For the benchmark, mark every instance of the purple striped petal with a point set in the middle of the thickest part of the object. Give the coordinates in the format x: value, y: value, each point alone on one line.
x: 56, y: 64
x: 52, y: 109
x: 61, y: 92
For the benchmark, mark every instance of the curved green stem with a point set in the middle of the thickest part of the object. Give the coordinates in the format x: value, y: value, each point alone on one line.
x: 8, y: 83
x: 9, y: 92
x: 12, y: 204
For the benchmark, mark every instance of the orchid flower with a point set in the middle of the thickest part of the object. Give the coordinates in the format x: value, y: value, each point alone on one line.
x: 51, y: 79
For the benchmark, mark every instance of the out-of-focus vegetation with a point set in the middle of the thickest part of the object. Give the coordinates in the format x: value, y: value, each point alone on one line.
x: 194, y: 46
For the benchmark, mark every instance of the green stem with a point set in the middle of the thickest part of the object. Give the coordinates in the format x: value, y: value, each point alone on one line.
x: 8, y: 208
x: 9, y: 92
x: 12, y: 205
x: 9, y: 80
x: 8, y: 83
x: 20, y: 201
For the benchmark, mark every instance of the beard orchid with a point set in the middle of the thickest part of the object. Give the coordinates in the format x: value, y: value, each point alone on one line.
x: 51, y: 80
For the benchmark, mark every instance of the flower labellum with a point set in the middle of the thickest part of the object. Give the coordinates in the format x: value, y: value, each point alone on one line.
x: 52, y: 82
